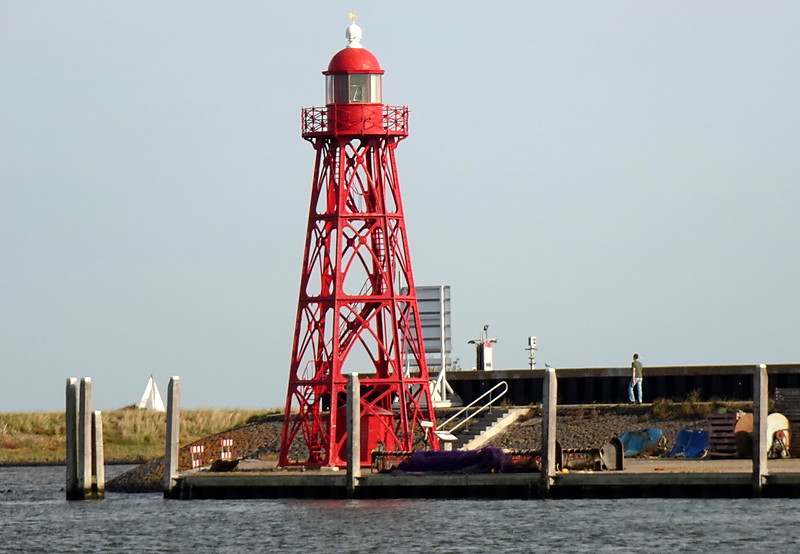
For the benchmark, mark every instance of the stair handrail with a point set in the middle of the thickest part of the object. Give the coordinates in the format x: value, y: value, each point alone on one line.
x: 503, y: 384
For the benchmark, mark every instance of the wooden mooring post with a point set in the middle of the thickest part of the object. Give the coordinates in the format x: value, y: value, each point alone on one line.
x: 98, y: 457
x: 173, y: 433
x: 72, y: 438
x: 353, y: 433
x: 85, y: 468
x: 760, y: 439
x: 549, y: 405
x: 84, y: 438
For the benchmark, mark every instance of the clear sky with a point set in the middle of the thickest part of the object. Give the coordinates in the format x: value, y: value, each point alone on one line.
x: 612, y: 177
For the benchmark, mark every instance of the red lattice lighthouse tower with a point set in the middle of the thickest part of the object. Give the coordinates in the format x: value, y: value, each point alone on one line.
x: 357, y: 311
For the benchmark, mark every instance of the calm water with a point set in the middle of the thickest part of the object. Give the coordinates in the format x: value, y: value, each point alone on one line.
x: 34, y: 517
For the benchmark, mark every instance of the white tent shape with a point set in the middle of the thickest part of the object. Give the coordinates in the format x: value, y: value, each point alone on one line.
x: 151, y: 399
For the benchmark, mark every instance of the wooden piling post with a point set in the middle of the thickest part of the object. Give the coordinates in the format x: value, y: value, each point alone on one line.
x: 760, y: 439
x: 85, y: 439
x: 549, y: 405
x: 173, y: 433
x: 72, y: 438
x: 98, y: 461
x: 353, y: 433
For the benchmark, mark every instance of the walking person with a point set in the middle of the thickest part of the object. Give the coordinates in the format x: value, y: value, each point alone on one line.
x: 636, y: 379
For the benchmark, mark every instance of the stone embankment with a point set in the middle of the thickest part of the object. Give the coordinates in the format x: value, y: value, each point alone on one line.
x: 588, y: 427
x: 592, y: 427
x: 255, y: 440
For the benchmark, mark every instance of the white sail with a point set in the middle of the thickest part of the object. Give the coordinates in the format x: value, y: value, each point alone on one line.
x: 151, y: 399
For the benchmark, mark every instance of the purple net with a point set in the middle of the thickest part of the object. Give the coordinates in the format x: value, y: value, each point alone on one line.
x: 485, y: 460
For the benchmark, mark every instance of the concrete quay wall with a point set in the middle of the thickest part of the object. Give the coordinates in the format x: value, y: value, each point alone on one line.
x: 656, y: 478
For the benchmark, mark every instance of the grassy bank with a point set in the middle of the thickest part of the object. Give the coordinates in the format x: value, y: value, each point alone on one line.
x: 129, y: 435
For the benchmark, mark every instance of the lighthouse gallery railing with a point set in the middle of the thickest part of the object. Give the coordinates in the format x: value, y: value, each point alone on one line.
x: 394, y: 119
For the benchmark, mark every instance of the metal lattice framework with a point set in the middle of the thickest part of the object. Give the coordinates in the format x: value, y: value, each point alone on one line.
x: 357, y: 308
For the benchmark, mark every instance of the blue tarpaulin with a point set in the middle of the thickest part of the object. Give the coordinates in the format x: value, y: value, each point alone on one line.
x: 642, y: 443
x: 690, y: 444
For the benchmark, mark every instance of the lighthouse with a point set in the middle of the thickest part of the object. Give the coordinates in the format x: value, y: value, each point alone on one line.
x: 357, y: 309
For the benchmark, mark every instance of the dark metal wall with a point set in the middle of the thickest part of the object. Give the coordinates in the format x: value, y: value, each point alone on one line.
x: 610, y: 385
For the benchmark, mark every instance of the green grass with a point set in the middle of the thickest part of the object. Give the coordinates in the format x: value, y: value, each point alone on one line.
x: 692, y: 407
x: 129, y: 434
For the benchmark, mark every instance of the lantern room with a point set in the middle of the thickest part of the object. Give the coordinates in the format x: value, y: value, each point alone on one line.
x: 354, y: 88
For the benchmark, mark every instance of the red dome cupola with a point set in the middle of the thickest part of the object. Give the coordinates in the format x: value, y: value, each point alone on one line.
x: 354, y: 60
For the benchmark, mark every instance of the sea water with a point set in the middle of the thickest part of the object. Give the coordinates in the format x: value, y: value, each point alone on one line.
x: 35, y: 517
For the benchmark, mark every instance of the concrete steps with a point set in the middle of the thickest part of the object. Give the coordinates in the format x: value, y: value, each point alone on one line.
x: 483, y: 429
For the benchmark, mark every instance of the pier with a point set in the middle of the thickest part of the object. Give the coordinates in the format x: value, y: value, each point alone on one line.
x: 641, y: 478
x: 635, y: 478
